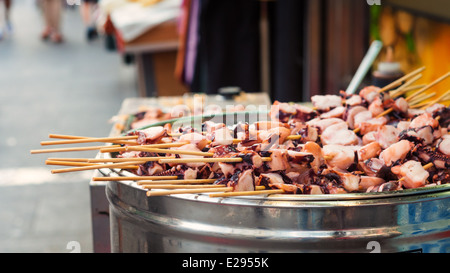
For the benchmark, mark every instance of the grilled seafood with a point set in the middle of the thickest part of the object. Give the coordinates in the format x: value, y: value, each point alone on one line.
x: 341, y: 145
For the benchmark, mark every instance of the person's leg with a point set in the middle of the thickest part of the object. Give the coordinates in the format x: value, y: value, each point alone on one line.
x: 2, y: 17
x: 9, y: 27
x: 87, y: 13
x: 46, y: 11
x: 55, y: 10
x: 7, y: 9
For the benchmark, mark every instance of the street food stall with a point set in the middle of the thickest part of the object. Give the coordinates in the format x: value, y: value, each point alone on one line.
x: 317, y: 169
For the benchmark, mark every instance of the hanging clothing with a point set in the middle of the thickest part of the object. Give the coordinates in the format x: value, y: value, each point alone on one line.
x: 287, y: 38
x: 183, y: 26
x: 222, y: 46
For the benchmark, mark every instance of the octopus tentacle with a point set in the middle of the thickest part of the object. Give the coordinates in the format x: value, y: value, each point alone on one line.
x: 428, y: 155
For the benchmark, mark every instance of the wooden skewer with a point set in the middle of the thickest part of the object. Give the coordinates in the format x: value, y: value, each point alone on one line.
x: 137, y: 147
x: 396, y: 94
x: 168, y: 145
x: 385, y: 112
x: 246, y: 193
x: 99, y: 166
x: 181, y: 186
x: 66, y: 136
x: 167, y: 151
x: 87, y: 140
x: 412, y: 88
x: 73, y: 149
x: 180, y: 134
x: 202, y: 160
x: 207, y: 160
x: 443, y: 97
x: 412, y: 104
x: 69, y: 159
x: 120, y: 178
x: 428, y: 86
x: 146, y: 159
x: 82, y: 164
x: 399, y: 91
x: 421, y: 98
x: 399, y: 81
x: 293, y: 137
x: 84, y: 137
x: 189, y: 186
x: 68, y: 163
x: 183, y: 191
x: 177, y: 181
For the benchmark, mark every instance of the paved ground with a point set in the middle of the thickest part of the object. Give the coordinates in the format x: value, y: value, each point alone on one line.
x: 73, y: 88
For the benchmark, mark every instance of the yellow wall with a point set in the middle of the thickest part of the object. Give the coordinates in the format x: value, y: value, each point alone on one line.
x: 417, y: 41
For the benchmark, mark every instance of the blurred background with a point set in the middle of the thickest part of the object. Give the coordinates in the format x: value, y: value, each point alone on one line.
x: 67, y: 66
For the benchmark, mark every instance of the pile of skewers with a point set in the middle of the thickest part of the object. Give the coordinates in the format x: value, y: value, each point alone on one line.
x: 373, y: 141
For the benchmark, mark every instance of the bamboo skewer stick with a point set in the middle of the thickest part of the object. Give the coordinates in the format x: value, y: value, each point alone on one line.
x: 159, y: 186
x: 73, y: 149
x: 190, y: 186
x: 401, y: 80
x: 137, y: 147
x: 421, y: 98
x: 167, y: 151
x: 167, y: 145
x: 207, y: 160
x: 82, y: 164
x: 146, y: 159
x: 202, y: 160
x: 177, y: 181
x: 72, y: 137
x: 69, y: 163
x: 411, y: 105
x: 428, y: 86
x: 99, y: 166
x: 443, y: 97
x: 293, y: 137
x: 121, y: 178
x: 396, y: 94
x: 180, y: 134
x: 385, y: 112
x: 414, y: 87
x: 246, y: 193
x: 69, y: 159
x: 399, y: 91
x: 183, y: 191
x: 66, y: 136
x: 87, y: 140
